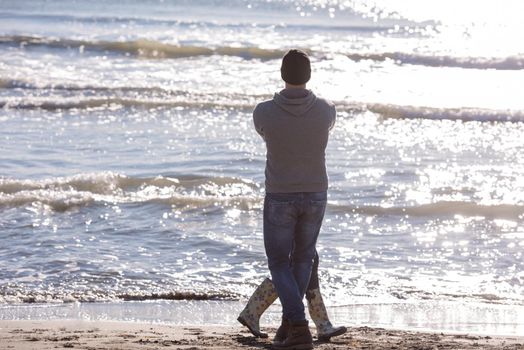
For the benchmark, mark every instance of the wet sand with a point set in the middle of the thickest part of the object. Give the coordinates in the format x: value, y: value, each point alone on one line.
x: 91, y: 335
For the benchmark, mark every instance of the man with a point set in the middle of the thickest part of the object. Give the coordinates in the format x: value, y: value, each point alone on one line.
x: 295, y: 125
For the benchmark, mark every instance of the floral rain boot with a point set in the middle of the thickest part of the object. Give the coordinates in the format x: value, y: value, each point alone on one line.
x: 262, y: 298
x: 318, y: 313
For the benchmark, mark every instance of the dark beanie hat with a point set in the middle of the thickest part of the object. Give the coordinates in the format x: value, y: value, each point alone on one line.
x: 296, y: 68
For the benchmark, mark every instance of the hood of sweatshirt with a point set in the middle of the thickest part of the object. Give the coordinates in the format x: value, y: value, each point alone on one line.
x: 295, y: 101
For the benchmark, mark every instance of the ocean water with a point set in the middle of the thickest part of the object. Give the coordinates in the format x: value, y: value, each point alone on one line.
x: 130, y: 169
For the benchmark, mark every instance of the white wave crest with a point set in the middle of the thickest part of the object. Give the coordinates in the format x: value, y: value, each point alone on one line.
x: 465, y: 114
x: 65, y: 193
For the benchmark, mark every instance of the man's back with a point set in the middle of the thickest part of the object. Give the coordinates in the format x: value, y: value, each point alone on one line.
x: 295, y: 125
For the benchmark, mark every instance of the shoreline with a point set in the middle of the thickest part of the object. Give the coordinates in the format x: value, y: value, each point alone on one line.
x: 90, y: 335
x: 447, y: 317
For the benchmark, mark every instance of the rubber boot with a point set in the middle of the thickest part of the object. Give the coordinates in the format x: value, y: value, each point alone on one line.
x: 318, y: 313
x: 262, y: 298
x: 298, y: 337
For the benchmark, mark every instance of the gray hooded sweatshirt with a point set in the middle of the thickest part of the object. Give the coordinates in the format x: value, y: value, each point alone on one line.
x: 295, y: 125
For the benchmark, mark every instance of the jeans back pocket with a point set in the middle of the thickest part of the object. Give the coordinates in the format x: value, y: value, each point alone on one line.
x: 280, y: 213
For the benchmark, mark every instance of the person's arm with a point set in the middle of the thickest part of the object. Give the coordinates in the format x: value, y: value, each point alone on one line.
x: 333, y: 118
x: 257, y: 121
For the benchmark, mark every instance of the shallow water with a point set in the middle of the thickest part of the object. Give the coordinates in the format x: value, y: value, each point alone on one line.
x: 130, y: 168
x: 471, y: 318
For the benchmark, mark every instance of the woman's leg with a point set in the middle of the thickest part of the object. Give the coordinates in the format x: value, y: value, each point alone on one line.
x: 317, y: 309
x: 313, y: 280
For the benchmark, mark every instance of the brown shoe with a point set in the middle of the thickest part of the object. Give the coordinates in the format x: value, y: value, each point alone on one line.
x: 282, y: 331
x: 298, y: 337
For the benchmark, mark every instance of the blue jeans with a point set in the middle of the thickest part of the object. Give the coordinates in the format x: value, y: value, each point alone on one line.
x: 292, y: 223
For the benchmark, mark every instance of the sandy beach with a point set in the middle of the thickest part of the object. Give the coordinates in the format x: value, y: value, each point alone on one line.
x: 42, y: 335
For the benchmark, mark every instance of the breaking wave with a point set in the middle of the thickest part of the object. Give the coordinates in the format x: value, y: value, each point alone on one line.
x: 67, y: 193
x: 42, y: 296
x: 157, y: 97
x: 110, y: 102
x: 500, y: 63
x: 145, y: 48
x: 440, y: 209
x: 464, y: 113
x: 195, y: 192
x: 14, y: 293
